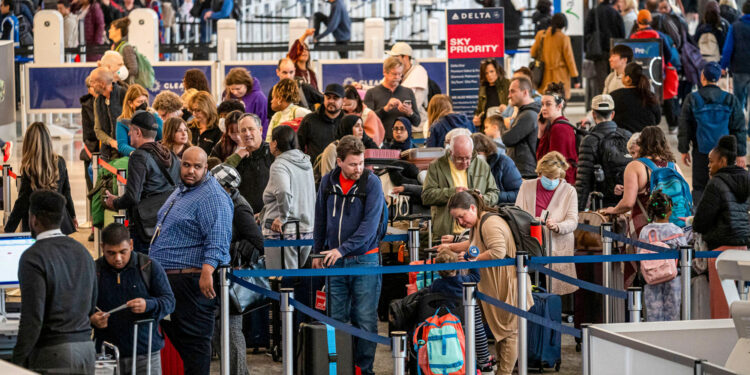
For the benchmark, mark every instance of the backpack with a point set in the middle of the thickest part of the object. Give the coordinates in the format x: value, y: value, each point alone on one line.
x: 660, y: 270
x: 439, y: 343
x: 709, y: 47
x: 318, y: 165
x: 613, y: 157
x: 145, y: 76
x: 519, y: 222
x: 144, y: 266
x: 712, y: 120
x: 362, y: 194
x: 432, y: 89
x: 25, y: 25
x: 692, y: 61
x: 580, y: 133
x: 671, y: 183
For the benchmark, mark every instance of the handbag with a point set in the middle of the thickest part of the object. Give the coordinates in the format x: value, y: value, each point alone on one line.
x: 241, y: 299
x: 537, y: 65
x: 594, y: 42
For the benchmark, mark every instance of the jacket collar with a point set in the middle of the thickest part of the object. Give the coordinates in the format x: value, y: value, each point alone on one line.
x: 131, y: 263
x: 604, y: 127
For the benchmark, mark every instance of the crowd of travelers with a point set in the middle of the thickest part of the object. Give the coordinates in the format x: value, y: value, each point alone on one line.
x: 208, y: 182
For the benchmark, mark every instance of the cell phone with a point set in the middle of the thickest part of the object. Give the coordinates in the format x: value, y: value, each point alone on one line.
x: 268, y: 224
x: 407, y: 102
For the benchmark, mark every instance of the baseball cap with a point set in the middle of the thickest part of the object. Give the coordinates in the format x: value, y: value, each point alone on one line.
x: 227, y: 176
x: 712, y: 71
x: 144, y: 120
x: 335, y: 89
x: 400, y: 49
x: 603, y: 103
x: 644, y: 17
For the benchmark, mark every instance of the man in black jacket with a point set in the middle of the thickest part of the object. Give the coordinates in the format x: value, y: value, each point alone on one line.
x: 58, y: 285
x: 252, y: 160
x: 152, y: 171
x: 107, y: 108
x: 591, y: 155
x: 521, y: 138
x: 318, y: 129
x: 606, y: 22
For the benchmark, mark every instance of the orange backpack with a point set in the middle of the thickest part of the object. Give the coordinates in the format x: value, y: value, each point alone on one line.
x: 439, y: 343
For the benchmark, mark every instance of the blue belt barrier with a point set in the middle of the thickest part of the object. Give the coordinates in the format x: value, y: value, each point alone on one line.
x: 529, y: 316
x: 707, y: 254
x: 620, y: 238
x: 379, y: 270
x: 605, y: 258
x: 354, y: 331
x: 419, y: 141
x: 295, y: 243
x: 580, y: 283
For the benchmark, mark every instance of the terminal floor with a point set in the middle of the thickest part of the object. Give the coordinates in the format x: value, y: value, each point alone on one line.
x: 262, y: 363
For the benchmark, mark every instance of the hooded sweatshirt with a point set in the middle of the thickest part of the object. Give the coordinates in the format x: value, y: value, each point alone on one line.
x: 441, y: 127
x: 405, y: 145
x: 290, y: 192
x: 521, y: 139
x: 255, y: 102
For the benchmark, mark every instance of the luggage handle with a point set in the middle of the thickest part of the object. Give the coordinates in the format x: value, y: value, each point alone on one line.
x: 298, y: 236
x: 135, y: 344
x: 104, y: 345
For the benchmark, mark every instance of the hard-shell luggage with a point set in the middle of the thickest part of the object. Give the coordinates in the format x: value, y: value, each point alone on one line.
x: 545, y: 344
x: 422, y: 157
x: 324, y: 350
x: 171, y: 362
x: 107, y: 364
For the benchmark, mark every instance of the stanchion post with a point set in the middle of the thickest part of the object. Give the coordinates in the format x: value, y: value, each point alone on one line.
x: 686, y: 260
x: 522, y: 271
x: 470, y: 304
x: 398, y: 348
x: 606, y: 272
x: 95, y: 177
x: 120, y: 219
x: 635, y: 307
x: 413, y: 244
x: 585, y: 347
x: 7, y: 186
x: 287, y: 311
x: 121, y: 186
x: 224, y: 282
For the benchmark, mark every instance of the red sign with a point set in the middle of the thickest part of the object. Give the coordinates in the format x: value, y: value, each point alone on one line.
x: 472, y: 41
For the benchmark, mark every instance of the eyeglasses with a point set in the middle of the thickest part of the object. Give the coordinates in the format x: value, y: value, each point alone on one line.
x: 399, y: 129
x: 464, y: 159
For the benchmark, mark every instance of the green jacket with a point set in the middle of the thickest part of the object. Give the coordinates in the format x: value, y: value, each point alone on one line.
x: 502, y: 86
x: 438, y: 188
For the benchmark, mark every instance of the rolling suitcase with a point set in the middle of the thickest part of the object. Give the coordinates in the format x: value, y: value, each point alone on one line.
x: 107, y: 364
x: 545, y: 344
x: 171, y: 363
x: 134, y: 365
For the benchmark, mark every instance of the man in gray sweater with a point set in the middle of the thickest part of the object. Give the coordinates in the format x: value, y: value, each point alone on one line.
x: 390, y: 100
x: 58, y: 288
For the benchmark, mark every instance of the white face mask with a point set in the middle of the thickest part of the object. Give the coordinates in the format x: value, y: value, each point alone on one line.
x: 122, y: 73
x: 221, y: 125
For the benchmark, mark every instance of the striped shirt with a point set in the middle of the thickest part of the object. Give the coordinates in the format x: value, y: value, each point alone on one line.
x: 197, y: 229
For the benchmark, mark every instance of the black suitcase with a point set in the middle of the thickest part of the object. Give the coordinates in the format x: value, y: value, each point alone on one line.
x: 315, y: 355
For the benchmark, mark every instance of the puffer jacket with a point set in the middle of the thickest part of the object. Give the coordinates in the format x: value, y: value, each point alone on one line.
x: 521, y: 139
x: 722, y: 216
x: 507, y: 177
x: 589, y: 155
x: 441, y: 127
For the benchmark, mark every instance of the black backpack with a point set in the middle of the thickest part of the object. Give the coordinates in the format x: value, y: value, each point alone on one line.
x: 613, y: 156
x: 432, y: 89
x: 143, y: 263
x: 519, y: 222
x: 580, y: 133
x: 25, y: 25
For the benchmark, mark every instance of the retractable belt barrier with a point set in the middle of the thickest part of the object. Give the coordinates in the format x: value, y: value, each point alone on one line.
x: 107, y: 166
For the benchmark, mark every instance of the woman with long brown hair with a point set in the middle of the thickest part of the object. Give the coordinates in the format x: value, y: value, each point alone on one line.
x: 230, y: 141
x: 641, y: 104
x: 41, y: 169
x: 492, y: 235
x: 177, y: 136
x: 441, y: 119
x: 205, y: 123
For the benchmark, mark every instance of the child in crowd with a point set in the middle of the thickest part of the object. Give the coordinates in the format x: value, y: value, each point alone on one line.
x: 493, y: 128
x: 663, y: 300
x: 450, y: 284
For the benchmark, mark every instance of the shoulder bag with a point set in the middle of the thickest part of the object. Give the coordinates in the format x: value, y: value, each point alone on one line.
x: 537, y: 64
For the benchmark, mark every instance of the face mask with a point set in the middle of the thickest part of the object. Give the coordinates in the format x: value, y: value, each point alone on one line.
x: 122, y: 73
x: 142, y: 107
x: 221, y: 125
x: 549, y: 184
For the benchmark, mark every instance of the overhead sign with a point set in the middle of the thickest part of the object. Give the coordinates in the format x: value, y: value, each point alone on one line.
x: 371, y: 73
x: 472, y: 36
x: 573, y: 11
x: 647, y: 53
x: 168, y: 76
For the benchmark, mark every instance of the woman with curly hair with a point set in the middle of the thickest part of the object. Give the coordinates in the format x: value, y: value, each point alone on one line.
x: 555, y: 132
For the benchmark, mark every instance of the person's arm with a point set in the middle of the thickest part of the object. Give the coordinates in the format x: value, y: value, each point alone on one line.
x: 630, y: 193
x: 371, y: 220
x: 98, y: 19
x: 216, y: 151
x: 432, y: 193
x: 215, y: 219
x: 123, y: 140
x: 517, y: 134
x: 137, y: 166
x: 302, y: 134
x: 570, y: 222
x: 225, y: 11
x: 619, y: 25
x: 536, y: 45
x: 161, y: 301
x: 7, y: 31
x: 20, y: 206
x: 684, y: 128
x: 728, y: 50
x: 414, y: 117
x: 709, y: 207
x: 334, y: 19
x: 131, y: 61
x: 233, y: 160
x: 511, y: 182
x: 570, y: 60
x: 656, y: 112
x: 31, y: 276
x: 737, y: 127
x: 65, y: 188
x: 435, y: 134
x: 321, y: 218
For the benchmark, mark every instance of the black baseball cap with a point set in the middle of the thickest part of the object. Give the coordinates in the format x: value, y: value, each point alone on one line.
x: 144, y: 120
x: 335, y: 89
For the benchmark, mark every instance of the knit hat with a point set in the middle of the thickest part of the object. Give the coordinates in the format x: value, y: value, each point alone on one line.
x: 712, y: 71
x: 227, y: 176
x: 644, y: 17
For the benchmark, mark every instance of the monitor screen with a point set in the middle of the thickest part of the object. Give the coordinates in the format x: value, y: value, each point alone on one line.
x: 12, y: 245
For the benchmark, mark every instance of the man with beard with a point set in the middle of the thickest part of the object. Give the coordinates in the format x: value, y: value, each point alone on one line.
x: 192, y: 238
x: 153, y: 172
x: 318, y: 129
x: 346, y: 227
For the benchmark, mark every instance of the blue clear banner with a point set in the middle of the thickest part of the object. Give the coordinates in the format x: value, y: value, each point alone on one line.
x: 647, y: 53
x: 169, y: 77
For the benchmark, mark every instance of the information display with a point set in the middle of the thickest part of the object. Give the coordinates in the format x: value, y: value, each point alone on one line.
x: 647, y: 53
x: 12, y: 246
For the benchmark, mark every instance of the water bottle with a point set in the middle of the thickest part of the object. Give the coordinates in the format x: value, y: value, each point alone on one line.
x: 472, y: 253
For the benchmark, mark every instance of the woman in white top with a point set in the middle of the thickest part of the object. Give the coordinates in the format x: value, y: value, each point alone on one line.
x: 283, y: 98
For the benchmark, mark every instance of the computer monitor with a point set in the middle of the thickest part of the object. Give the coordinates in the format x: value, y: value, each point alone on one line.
x: 12, y: 246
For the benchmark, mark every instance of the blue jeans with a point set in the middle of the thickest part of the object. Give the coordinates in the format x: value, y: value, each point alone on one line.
x: 355, y: 299
x: 741, y: 87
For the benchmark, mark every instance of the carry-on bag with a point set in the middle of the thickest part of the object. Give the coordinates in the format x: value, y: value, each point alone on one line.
x: 545, y: 344
x: 107, y: 364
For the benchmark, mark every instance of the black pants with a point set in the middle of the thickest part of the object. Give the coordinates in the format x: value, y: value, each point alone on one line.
x: 192, y: 322
x: 319, y: 18
x: 700, y: 175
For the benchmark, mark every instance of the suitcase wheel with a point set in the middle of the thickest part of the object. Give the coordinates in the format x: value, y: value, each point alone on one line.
x: 276, y: 353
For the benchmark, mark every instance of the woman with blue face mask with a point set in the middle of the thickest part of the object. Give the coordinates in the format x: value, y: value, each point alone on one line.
x: 554, y: 202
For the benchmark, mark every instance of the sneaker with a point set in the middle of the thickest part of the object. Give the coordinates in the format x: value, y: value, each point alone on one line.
x: 7, y: 151
x: 488, y: 368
